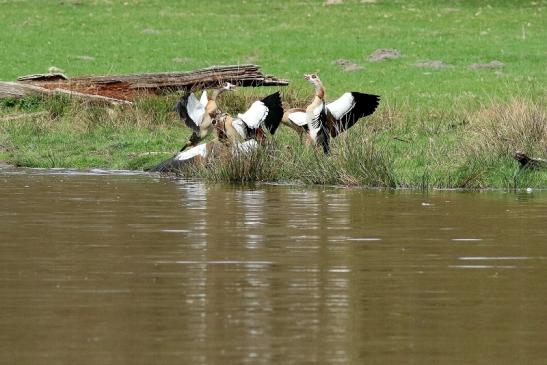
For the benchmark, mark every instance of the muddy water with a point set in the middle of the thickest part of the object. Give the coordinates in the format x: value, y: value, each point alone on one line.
x: 100, y: 268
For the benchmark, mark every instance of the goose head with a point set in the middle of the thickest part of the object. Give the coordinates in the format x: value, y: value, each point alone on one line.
x: 316, y: 82
x: 313, y: 79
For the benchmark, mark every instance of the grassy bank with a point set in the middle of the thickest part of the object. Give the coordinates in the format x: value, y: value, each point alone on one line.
x: 450, y: 124
x: 396, y: 147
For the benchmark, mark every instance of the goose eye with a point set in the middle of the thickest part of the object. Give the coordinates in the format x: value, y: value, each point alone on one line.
x: 313, y: 76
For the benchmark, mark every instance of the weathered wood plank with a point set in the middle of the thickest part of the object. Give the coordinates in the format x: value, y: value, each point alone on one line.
x: 18, y: 90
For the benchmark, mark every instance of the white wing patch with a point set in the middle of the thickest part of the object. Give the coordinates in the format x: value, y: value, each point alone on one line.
x: 195, y: 109
x: 341, y: 106
x: 245, y: 147
x: 199, y: 150
x: 255, y: 115
x: 313, y: 119
x: 239, y: 127
x: 298, y: 118
x: 204, y: 100
x: 314, y: 123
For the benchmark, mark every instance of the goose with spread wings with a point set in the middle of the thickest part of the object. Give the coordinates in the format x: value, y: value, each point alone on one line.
x: 321, y: 121
x: 265, y: 113
x: 198, y: 114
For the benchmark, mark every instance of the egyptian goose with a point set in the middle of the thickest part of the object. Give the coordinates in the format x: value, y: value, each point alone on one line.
x: 198, y: 114
x: 249, y: 125
x: 200, y: 154
x: 321, y: 121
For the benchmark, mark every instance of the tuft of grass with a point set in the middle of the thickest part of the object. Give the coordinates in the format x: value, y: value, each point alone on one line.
x: 506, y: 128
x: 239, y: 167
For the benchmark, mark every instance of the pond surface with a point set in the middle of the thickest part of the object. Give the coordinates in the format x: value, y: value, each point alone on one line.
x: 122, y: 268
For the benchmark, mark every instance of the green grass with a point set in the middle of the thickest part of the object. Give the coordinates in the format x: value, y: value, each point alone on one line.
x: 435, y: 128
x: 289, y: 38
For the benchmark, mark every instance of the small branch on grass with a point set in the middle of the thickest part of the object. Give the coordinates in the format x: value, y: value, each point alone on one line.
x: 401, y: 139
x: 529, y: 162
x: 17, y: 90
x: 92, y: 98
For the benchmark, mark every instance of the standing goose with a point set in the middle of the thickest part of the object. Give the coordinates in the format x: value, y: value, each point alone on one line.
x: 249, y: 125
x: 198, y: 114
x: 321, y: 121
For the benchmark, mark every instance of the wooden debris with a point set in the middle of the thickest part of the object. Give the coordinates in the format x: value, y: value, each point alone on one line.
x: 18, y: 90
x: 92, y: 98
x: 529, y: 162
x: 43, y: 77
x: 127, y: 87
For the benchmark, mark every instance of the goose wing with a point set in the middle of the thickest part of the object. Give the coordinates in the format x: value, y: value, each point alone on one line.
x: 245, y: 147
x: 191, y: 111
x: 318, y: 117
x: 240, y: 127
x: 267, y: 112
x: 199, y: 150
x: 203, y: 99
x: 349, y: 108
x: 182, y: 159
x: 298, y: 118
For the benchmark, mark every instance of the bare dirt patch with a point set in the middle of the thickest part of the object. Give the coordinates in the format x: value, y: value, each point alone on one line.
x: 347, y: 65
x: 84, y: 58
x: 384, y: 54
x: 434, y: 64
x: 150, y: 31
x: 495, y: 64
x: 181, y: 59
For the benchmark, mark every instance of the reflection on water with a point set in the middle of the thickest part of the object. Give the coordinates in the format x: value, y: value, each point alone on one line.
x: 97, y: 267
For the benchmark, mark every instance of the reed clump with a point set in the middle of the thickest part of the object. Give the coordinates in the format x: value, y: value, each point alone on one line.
x: 228, y: 165
x: 506, y: 128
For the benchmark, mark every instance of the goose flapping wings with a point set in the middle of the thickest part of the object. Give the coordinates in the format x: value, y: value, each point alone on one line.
x: 348, y: 109
x: 317, y: 126
x: 192, y: 110
x: 262, y: 113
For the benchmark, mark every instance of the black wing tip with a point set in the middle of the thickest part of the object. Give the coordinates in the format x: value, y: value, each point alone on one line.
x: 366, y: 97
x: 170, y: 165
x: 272, y: 99
x: 366, y: 102
x: 275, y: 111
x: 180, y: 107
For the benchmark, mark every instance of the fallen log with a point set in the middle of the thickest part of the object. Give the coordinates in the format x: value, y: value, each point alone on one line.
x: 16, y: 90
x: 127, y: 87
